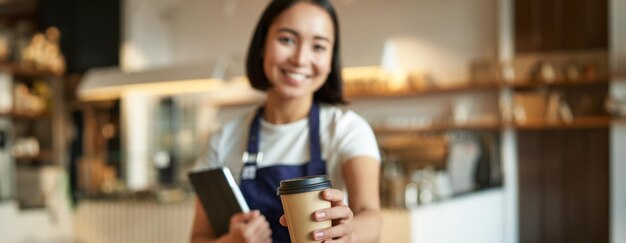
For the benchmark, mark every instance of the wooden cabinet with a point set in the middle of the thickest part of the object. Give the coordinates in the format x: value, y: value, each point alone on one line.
x: 564, y: 185
x: 560, y: 25
x: 563, y: 171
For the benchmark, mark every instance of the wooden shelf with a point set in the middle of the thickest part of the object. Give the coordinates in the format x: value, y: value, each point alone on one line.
x: 429, y: 91
x: 495, y: 85
x: 104, y: 104
x: 561, y: 83
x: 578, y: 123
x: 23, y: 71
x: 582, y: 122
x: 35, y: 165
x: 25, y: 116
x: 44, y: 155
x: 483, y: 126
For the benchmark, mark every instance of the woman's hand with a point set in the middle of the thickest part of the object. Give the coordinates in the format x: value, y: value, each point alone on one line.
x: 339, y: 213
x: 251, y: 227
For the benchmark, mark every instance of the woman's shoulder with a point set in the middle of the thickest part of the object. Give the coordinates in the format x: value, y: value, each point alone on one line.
x: 340, y: 116
x: 235, y: 124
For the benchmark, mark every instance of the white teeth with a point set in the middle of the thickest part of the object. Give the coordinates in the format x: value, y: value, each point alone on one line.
x: 296, y: 76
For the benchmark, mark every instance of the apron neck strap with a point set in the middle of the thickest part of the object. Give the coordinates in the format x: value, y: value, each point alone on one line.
x: 314, y: 133
x: 253, y: 154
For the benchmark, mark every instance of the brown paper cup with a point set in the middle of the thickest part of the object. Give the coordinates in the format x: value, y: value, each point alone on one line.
x: 301, y: 197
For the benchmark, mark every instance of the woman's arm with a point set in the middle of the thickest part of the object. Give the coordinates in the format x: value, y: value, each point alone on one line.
x: 362, y: 176
x: 243, y: 227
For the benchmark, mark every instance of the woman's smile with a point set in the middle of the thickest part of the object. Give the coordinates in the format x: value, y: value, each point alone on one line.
x: 295, y: 78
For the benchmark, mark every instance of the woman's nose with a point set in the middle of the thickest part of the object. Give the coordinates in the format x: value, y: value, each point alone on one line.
x: 300, y: 56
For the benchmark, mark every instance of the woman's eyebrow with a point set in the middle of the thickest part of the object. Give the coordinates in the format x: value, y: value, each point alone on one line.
x: 319, y: 37
x: 289, y: 31
x: 293, y: 32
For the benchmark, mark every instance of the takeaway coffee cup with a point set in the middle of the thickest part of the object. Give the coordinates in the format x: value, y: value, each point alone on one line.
x: 301, y: 197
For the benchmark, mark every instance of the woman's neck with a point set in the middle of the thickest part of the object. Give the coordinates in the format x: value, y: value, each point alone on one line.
x: 282, y: 111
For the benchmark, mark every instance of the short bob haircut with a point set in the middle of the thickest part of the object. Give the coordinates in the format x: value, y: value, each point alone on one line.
x: 331, y: 90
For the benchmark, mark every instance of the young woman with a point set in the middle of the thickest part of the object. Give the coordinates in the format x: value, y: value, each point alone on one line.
x: 294, y: 58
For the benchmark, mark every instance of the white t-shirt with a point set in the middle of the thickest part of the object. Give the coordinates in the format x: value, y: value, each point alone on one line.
x: 343, y: 135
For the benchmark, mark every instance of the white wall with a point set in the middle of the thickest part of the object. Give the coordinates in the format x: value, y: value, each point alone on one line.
x: 207, y: 29
x: 137, y: 121
x: 446, y: 34
x: 506, y: 54
x: 618, y: 184
x: 617, y: 55
x: 145, y: 34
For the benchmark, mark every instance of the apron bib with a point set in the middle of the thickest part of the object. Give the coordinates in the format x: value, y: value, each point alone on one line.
x: 258, y: 185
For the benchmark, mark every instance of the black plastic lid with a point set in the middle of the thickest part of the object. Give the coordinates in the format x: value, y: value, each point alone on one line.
x: 303, y: 184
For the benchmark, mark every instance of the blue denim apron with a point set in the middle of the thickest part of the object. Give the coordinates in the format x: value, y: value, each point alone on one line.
x: 259, y: 185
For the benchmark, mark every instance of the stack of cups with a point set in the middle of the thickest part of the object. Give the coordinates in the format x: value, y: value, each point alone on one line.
x: 301, y: 197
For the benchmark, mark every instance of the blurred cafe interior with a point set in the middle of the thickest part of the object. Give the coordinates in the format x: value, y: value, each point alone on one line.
x: 497, y: 120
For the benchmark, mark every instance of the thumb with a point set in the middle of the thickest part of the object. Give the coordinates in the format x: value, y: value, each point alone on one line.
x: 237, y: 218
x: 251, y: 215
x: 283, y: 220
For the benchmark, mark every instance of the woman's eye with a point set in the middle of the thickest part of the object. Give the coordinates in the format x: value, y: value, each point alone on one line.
x: 319, y: 48
x: 286, y: 40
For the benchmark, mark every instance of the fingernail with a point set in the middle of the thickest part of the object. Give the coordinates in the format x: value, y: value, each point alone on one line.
x: 318, y: 235
x: 320, y: 215
x: 328, y: 194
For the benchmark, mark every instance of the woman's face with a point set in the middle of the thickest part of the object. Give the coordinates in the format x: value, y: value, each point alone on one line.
x: 298, y: 51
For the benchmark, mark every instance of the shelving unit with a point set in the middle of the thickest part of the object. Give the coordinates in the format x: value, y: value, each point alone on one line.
x: 465, y: 87
x: 24, y: 116
x: 44, y: 155
x: 483, y: 86
x: 24, y: 71
x: 559, y: 83
x: 578, y: 122
x: 46, y: 127
x: 42, y: 126
x: 483, y: 126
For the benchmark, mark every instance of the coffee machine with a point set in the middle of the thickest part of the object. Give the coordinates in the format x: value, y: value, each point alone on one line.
x: 420, y: 169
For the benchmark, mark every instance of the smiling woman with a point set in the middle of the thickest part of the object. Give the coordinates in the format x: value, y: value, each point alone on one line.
x: 304, y: 38
x: 294, y: 58
x: 298, y: 51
